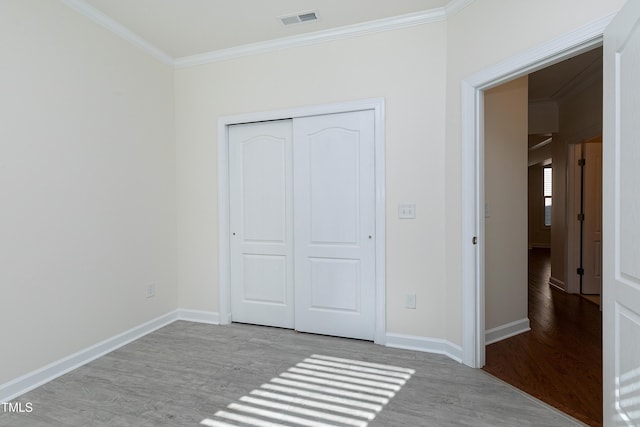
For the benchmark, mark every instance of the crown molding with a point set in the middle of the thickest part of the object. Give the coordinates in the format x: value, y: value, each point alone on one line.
x: 348, y: 31
x: 115, y: 27
x: 455, y: 6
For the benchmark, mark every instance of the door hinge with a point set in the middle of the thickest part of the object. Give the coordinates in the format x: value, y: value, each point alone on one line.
x: 582, y: 162
x: 580, y: 217
x: 580, y: 271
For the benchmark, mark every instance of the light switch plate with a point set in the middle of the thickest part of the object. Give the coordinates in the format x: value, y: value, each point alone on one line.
x: 410, y: 301
x: 407, y: 211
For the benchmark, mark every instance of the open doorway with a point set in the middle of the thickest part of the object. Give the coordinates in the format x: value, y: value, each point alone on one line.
x: 542, y: 336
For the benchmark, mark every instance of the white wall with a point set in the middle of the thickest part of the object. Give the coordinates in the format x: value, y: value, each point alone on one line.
x: 481, y: 35
x: 407, y: 68
x: 543, y: 117
x: 505, y: 121
x: 87, y: 185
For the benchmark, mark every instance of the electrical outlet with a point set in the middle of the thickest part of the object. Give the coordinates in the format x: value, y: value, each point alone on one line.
x: 410, y: 301
x: 407, y: 211
x: 151, y: 290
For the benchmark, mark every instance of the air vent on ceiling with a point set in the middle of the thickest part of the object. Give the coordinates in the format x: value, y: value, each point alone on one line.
x: 300, y: 17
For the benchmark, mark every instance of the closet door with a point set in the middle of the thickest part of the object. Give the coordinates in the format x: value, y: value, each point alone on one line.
x: 592, y: 225
x: 334, y: 217
x: 260, y: 177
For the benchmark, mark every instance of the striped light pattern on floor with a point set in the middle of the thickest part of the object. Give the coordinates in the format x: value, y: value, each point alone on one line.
x: 321, y: 391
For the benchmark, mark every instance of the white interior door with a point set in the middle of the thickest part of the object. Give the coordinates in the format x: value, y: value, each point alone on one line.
x: 261, y: 252
x: 592, y: 231
x: 334, y: 216
x: 621, y: 219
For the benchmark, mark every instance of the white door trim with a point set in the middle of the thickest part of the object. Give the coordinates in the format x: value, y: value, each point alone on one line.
x: 375, y: 104
x: 572, y: 259
x: 575, y: 42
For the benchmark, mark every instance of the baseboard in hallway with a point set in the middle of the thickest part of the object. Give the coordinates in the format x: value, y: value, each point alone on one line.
x: 506, y: 331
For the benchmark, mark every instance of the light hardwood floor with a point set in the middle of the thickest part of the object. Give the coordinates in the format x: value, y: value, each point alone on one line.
x: 187, y: 372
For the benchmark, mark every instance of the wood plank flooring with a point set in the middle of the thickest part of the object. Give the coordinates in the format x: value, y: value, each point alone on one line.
x: 560, y: 360
x: 186, y: 372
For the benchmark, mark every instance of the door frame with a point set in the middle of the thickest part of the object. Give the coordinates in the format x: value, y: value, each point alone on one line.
x: 572, y: 281
x: 574, y: 184
x: 224, y: 258
x: 566, y: 46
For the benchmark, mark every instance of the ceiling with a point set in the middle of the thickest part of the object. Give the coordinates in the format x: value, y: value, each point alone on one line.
x: 553, y: 82
x: 183, y: 28
x: 549, y: 85
x: 174, y: 29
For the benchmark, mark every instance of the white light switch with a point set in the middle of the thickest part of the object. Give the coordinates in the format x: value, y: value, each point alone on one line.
x: 407, y: 211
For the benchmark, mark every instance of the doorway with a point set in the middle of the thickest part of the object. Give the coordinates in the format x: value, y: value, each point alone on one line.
x: 376, y: 107
x: 559, y: 359
x: 620, y: 178
x: 472, y: 174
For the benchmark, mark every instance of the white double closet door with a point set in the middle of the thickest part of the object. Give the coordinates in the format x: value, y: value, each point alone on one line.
x: 302, y: 218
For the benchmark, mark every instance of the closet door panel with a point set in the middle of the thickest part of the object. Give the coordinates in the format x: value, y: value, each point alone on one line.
x: 260, y: 168
x: 334, y: 217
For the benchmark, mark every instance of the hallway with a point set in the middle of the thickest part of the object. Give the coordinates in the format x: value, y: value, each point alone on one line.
x: 560, y: 360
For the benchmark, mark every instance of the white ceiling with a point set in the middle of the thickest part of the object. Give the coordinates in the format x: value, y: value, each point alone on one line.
x: 175, y: 29
x: 182, y: 28
x: 552, y: 83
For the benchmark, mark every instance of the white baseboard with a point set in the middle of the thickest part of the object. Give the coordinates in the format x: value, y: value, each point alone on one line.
x: 199, y: 316
x: 427, y: 345
x: 557, y: 283
x: 28, y: 382
x: 540, y: 246
x: 506, y: 331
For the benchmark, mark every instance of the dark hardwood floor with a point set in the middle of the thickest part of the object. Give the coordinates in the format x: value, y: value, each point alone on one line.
x: 560, y: 360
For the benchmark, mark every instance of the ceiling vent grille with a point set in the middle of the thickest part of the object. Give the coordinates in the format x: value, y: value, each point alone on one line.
x: 300, y: 17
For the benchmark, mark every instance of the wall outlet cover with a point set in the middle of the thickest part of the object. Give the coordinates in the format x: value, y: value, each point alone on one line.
x: 407, y: 211
x: 410, y: 301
